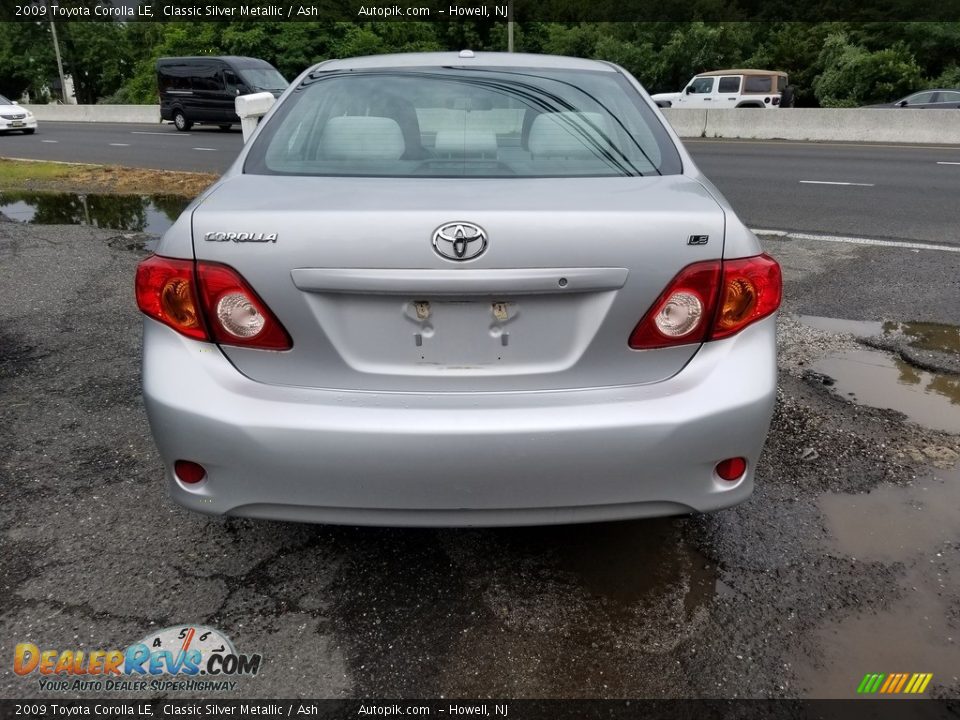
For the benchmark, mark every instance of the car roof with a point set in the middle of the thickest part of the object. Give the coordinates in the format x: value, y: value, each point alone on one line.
x: 743, y: 71
x: 458, y: 59
x: 202, y: 58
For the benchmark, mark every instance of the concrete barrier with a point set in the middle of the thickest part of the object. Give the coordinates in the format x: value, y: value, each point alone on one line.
x: 96, y: 113
x: 687, y: 123
x: 941, y: 127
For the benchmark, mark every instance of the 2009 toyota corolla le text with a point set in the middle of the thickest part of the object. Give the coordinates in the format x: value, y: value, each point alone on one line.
x: 497, y: 291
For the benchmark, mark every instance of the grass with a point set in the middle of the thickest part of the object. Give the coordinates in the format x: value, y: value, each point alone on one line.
x: 17, y: 174
x: 106, y: 179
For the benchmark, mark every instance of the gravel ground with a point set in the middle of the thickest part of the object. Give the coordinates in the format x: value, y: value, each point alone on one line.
x: 775, y: 598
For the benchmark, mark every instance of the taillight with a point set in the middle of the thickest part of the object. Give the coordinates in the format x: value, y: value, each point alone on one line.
x: 166, y: 291
x: 207, y: 301
x: 710, y: 300
x: 682, y: 313
x: 752, y: 290
x: 235, y: 314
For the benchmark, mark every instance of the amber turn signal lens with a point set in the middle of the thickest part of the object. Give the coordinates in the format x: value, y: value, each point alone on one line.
x: 176, y: 299
x: 739, y: 301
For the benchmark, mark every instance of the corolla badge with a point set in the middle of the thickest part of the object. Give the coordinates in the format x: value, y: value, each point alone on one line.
x: 240, y: 237
x: 460, y: 241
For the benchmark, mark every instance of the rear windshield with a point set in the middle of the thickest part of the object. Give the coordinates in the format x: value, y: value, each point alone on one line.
x: 477, y: 122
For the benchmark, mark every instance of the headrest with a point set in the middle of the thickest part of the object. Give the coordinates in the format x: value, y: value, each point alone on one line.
x: 362, y: 137
x: 568, y: 134
x: 466, y: 143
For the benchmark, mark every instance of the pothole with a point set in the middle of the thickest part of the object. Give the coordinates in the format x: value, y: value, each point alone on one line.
x: 883, y: 381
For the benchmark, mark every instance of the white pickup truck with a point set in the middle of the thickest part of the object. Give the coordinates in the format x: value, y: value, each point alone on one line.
x: 732, y: 89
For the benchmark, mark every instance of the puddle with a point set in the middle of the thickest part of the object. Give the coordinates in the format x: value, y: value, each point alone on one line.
x: 926, y: 336
x: 581, y: 609
x: 859, y: 328
x: 634, y: 561
x: 916, y: 526
x: 892, y: 523
x: 881, y: 380
x: 134, y: 213
x: 937, y: 337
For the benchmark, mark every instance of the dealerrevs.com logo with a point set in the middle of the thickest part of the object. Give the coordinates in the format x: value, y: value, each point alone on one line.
x: 181, y: 657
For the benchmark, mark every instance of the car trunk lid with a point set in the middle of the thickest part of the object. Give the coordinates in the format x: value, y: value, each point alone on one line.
x: 349, y: 267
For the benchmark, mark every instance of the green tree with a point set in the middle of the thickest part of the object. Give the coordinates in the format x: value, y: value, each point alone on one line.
x: 856, y: 76
x: 27, y: 62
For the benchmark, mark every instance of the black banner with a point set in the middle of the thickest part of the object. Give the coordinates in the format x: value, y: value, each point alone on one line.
x: 860, y: 709
x: 480, y: 10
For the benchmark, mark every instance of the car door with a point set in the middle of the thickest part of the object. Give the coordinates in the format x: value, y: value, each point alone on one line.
x: 699, y: 93
x: 728, y: 91
x: 918, y: 101
x: 206, y: 98
x: 946, y: 100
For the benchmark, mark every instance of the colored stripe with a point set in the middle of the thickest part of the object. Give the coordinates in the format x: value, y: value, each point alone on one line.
x: 878, y: 678
x: 913, y: 682
x: 862, y: 687
x: 892, y: 682
x: 926, y: 682
x: 903, y: 679
x: 886, y: 685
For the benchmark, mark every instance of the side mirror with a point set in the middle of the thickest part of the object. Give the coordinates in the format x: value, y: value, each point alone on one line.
x: 902, y: 103
x: 14, y: 102
x: 689, y: 89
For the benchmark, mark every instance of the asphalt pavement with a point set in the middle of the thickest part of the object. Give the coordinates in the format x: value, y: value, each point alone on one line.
x: 877, y: 191
x: 845, y: 561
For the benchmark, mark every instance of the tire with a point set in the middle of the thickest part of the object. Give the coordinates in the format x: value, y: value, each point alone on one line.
x: 787, y: 97
x: 225, y: 128
x: 180, y: 121
x: 31, y: 131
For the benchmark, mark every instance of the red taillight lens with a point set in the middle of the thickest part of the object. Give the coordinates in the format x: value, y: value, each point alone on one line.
x: 166, y: 291
x: 235, y: 314
x: 189, y: 471
x: 682, y: 313
x: 752, y: 289
x: 732, y: 468
x: 709, y: 301
x: 190, y: 298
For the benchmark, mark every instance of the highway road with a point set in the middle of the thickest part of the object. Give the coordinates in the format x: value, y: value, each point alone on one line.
x: 905, y: 192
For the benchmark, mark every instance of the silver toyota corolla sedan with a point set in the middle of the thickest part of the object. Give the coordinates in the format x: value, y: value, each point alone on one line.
x: 460, y: 289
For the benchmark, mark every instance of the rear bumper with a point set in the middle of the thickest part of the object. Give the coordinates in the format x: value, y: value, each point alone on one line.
x: 459, y: 459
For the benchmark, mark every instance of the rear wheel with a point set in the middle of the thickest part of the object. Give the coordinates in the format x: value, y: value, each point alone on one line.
x: 181, y: 122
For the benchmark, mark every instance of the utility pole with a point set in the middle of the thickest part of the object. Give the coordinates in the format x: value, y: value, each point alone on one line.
x: 510, y: 26
x: 56, y: 49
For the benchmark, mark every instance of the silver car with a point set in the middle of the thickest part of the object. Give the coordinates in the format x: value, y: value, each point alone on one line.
x: 460, y: 289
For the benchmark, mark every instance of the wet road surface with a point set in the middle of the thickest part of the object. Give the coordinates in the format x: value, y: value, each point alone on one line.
x: 845, y: 561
